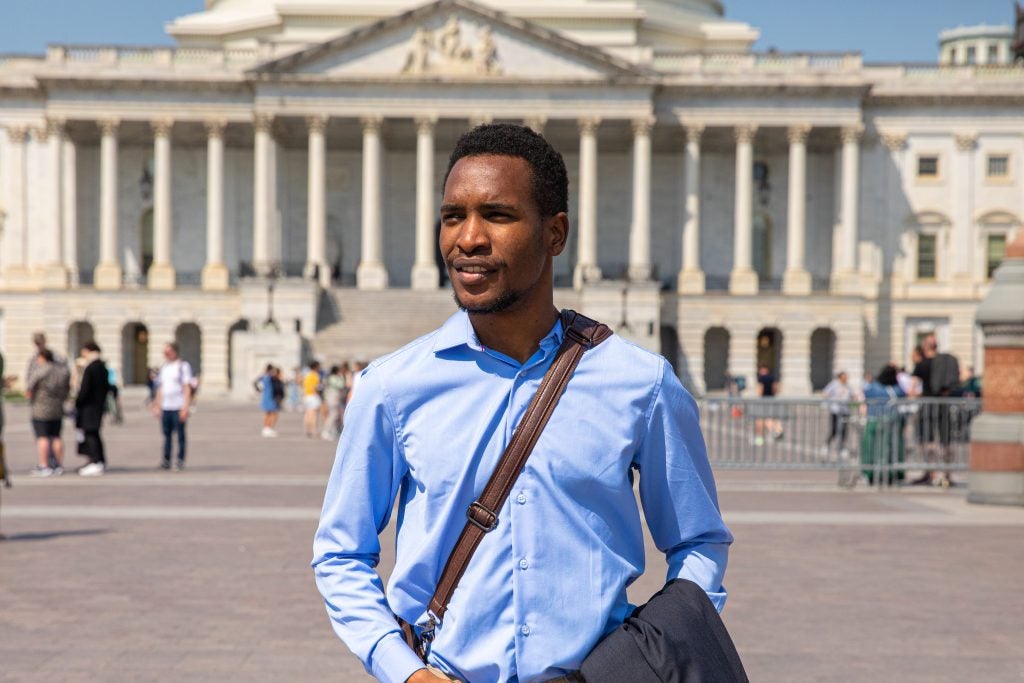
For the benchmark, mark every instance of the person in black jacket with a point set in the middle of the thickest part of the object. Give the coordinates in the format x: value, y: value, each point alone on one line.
x: 89, y: 407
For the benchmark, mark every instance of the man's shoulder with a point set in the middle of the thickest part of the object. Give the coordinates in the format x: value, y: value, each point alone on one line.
x: 398, y: 361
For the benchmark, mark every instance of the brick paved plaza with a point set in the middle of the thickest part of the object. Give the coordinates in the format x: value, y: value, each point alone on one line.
x: 203, y: 575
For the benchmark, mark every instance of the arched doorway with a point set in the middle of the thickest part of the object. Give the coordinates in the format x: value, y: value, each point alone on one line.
x: 79, y: 332
x: 134, y: 353
x: 237, y: 326
x: 769, y: 351
x: 189, y: 339
x: 823, y: 357
x: 716, y: 359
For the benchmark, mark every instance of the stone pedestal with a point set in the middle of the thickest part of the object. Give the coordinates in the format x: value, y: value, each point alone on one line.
x: 743, y: 282
x: 252, y: 351
x: 107, y: 276
x: 997, y: 435
x: 216, y: 277
x: 161, y: 276
x: 631, y: 309
x: 796, y: 282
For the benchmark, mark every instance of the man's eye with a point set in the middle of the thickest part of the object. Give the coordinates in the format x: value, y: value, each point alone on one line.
x: 450, y: 218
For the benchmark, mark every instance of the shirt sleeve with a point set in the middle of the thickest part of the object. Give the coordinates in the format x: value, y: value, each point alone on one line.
x: 677, y: 491
x: 368, y: 471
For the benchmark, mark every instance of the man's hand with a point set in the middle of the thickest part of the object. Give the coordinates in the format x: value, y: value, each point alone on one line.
x: 183, y: 414
x: 428, y: 676
x: 155, y: 409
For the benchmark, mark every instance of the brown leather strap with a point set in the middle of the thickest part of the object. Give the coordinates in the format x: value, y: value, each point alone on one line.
x: 581, y: 334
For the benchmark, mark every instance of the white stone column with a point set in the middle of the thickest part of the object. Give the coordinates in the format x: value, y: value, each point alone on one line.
x: 424, y: 269
x: 587, y: 269
x: 15, y: 234
x: 743, y: 278
x: 216, y: 276
x: 962, y: 235
x: 894, y: 143
x: 51, y: 272
x: 69, y: 211
x: 847, y: 279
x: 371, y: 273
x: 691, y: 277
x: 263, y: 188
x: 161, y: 273
x: 316, y: 219
x: 108, y: 273
x: 796, y: 280
x: 640, y: 230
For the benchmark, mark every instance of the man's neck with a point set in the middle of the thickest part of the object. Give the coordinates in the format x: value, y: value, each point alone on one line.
x: 516, y: 334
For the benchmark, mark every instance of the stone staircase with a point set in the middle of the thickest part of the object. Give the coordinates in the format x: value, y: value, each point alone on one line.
x: 359, y: 325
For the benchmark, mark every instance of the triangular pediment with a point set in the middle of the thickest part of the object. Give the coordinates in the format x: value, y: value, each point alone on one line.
x: 452, y: 40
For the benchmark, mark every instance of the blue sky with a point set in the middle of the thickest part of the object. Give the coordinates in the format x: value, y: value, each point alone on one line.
x: 884, y: 30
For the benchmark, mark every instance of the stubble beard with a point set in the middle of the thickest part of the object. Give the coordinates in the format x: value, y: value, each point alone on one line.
x: 503, y: 302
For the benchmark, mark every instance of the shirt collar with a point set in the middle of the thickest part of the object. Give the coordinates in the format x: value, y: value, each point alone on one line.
x: 458, y: 331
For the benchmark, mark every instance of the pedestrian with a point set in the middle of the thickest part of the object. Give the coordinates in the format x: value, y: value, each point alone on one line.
x: 883, y: 449
x: 39, y: 341
x: 429, y: 423
x: 5, y: 383
x: 334, y: 392
x: 312, y: 400
x: 114, y: 406
x: 269, y: 403
x: 295, y: 391
x: 938, y: 375
x: 767, y: 387
x: 48, y: 386
x: 839, y: 395
x: 90, y: 404
x: 171, y: 403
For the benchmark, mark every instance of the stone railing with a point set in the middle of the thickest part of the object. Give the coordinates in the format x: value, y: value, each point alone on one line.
x: 944, y: 73
x: 756, y: 63
x: 147, y: 58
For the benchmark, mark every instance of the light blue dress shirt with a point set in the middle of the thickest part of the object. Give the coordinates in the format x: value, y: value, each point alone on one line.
x: 427, y: 426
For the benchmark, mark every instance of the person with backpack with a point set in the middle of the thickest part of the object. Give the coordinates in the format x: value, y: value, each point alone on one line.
x: 174, y: 387
x: 48, y: 386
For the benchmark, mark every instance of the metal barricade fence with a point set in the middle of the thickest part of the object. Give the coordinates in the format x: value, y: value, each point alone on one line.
x: 877, y: 441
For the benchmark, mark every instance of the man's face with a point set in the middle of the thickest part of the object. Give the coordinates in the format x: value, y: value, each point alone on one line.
x: 496, y: 245
x: 169, y: 353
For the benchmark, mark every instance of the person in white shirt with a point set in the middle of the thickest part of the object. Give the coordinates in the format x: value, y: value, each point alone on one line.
x: 174, y: 386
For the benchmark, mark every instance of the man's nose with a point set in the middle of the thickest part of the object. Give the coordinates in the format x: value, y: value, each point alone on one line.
x: 473, y: 237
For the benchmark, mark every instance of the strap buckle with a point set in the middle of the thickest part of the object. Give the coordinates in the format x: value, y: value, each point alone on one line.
x: 486, y: 526
x: 427, y: 636
x: 577, y: 336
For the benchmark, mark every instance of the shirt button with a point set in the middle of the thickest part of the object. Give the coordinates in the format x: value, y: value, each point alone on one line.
x: 525, y: 630
x: 521, y: 499
x: 523, y: 564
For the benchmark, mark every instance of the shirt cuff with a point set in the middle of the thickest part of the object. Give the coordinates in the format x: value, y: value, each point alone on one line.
x: 393, y: 661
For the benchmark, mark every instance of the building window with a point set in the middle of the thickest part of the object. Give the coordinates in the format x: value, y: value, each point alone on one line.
x: 972, y: 55
x: 926, y: 257
x: 993, y: 54
x: 928, y: 166
x: 998, y: 166
x: 995, y: 250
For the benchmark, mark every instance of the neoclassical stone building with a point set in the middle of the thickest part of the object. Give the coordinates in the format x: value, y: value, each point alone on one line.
x: 284, y: 162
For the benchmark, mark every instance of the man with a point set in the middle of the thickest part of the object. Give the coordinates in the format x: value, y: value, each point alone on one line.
x: 767, y: 387
x: 47, y: 388
x: 173, y: 397
x: 429, y: 423
x: 90, y: 405
x: 938, y: 375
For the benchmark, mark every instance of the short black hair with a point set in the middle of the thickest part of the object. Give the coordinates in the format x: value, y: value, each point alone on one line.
x: 91, y: 347
x: 550, y: 181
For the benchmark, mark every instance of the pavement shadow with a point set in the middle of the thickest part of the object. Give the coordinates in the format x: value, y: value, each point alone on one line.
x: 123, y: 469
x: 50, y: 535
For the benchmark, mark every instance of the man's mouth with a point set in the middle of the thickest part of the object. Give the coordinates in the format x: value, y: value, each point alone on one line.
x: 469, y: 273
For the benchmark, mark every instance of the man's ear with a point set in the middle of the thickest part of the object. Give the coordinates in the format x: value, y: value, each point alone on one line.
x: 557, y: 233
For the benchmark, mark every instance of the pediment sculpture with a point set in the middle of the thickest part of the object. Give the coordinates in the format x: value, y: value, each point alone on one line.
x: 447, y: 54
